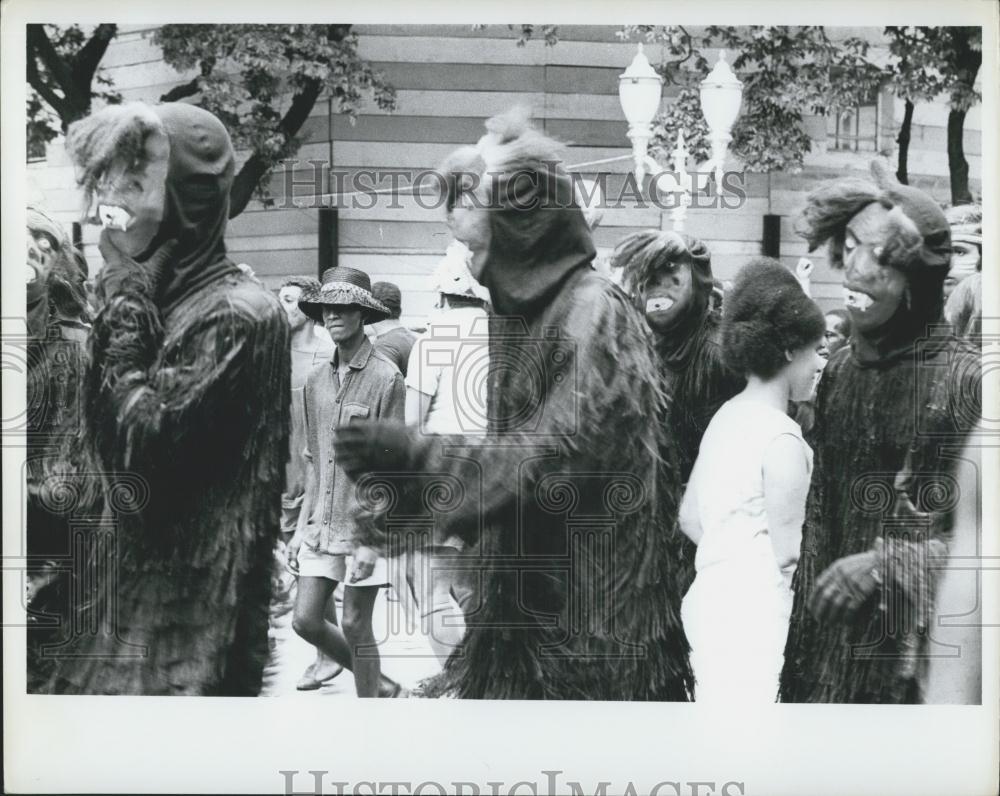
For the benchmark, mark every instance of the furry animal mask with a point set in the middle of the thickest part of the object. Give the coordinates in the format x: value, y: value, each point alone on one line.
x: 159, y: 173
x: 918, y: 235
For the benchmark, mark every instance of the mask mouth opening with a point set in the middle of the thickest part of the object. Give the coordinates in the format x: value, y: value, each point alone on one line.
x: 856, y: 300
x: 659, y: 303
x: 114, y: 217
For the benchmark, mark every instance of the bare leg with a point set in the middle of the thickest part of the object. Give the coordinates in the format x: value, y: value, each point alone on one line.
x: 310, y: 622
x: 324, y: 667
x: 359, y: 604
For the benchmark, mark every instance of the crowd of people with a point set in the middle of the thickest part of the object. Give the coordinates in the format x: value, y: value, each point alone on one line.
x: 649, y: 487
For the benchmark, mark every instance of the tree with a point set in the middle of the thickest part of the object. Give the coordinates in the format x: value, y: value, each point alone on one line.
x: 962, y: 58
x: 913, y: 78
x: 263, y: 81
x: 64, y: 77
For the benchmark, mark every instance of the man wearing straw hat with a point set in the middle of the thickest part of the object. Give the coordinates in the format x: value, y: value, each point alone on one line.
x: 359, y: 384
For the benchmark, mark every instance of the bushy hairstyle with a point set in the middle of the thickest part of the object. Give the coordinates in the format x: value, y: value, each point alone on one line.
x: 307, y: 283
x: 643, y: 255
x: 766, y: 314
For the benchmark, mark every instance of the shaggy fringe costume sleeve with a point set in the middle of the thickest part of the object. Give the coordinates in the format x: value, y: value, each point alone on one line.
x: 527, y: 496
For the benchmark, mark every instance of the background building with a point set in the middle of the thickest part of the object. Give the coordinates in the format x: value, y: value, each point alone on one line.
x: 449, y: 79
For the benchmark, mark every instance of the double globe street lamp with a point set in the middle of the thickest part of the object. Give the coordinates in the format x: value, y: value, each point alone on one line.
x: 640, y: 89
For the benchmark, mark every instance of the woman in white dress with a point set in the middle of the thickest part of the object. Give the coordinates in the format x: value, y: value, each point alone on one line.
x: 745, y: 502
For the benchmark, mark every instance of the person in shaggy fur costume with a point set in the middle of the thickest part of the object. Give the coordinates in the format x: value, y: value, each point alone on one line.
x: 57, y: 324
x: 669, y: 276
x: 890, y: 406
x: 577, y: 594
x: 186, y: 395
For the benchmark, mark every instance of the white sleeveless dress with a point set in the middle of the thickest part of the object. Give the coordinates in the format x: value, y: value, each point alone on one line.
x: 737, y: 611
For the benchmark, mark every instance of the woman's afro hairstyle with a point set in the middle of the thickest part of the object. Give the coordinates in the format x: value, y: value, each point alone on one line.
x: 766, y: 314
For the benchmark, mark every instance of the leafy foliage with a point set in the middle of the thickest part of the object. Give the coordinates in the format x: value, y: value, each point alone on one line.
x: 550, y: 33
x: 262, y: 81
x: 62, y: 81
x: 913, y: 69
x: 684, y: 114
x: 787, y: 72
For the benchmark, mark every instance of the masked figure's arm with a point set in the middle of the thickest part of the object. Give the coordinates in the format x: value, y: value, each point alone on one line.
x: 181, y: 417
x: 589, y: 421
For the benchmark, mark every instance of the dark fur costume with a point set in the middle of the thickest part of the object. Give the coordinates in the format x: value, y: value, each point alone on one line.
x: 186, y: 405
x: 58, y: 318
x: 567, y: 497
x: 884, y: 434
x: 695, y: 378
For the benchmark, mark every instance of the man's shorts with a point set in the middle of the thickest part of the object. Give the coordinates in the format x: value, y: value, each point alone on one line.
x: 317, y: 564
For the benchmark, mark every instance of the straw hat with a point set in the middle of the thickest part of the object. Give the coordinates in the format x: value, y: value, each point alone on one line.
x: 344, y: 286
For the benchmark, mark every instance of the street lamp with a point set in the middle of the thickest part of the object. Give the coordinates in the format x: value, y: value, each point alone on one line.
x: 721, y: 97
x: 640, y: 89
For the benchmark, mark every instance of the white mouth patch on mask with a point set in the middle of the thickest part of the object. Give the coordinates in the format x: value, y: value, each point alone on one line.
x: 857, y: 301
x: 113, y: 217
x: 659, y: 304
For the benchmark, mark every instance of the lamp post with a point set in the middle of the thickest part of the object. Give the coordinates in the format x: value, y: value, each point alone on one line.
x: 721, y: 97
x: 640, y: 89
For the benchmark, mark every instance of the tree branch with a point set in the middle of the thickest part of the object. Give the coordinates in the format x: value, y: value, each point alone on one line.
x: 193, y: 86
x: 188, y: 89
x: 256, y: 166
x: 42, y: 47
x: 76, y: 91
x: 86, y: 61
x: 57, y: 103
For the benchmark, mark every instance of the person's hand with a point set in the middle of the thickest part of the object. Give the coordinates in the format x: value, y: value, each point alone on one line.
x: 371, y: 447
x: 845, y: 585
x: 362, y: 563
x: 120, y: 270
x: 292, y: 553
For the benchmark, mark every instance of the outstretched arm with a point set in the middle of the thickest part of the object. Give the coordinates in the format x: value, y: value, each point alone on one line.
x: 587, y: 417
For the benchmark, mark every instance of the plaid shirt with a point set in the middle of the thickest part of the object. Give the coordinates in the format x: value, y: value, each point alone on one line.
x: 372, y: 389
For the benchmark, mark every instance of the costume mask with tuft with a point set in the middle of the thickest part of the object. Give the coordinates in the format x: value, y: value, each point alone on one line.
x: 538, y: 233
x: 893, y: 244
x: 156, y: 174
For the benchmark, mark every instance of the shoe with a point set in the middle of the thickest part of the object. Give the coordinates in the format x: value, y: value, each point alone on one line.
x: 398, y: 692
x: 309, y: 681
